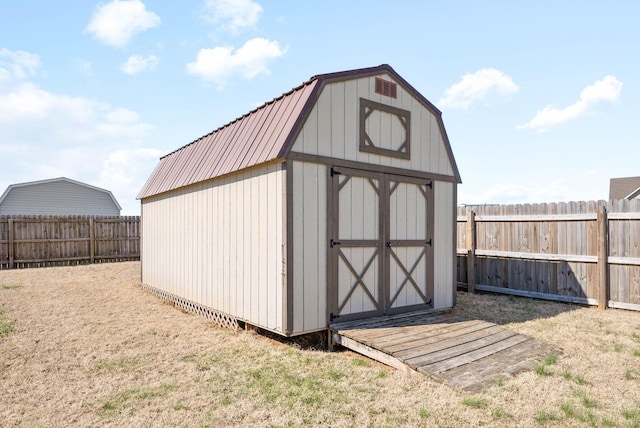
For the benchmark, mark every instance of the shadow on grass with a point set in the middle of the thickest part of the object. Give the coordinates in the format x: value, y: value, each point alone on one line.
x: 310, y: 342
x: 507, y: 309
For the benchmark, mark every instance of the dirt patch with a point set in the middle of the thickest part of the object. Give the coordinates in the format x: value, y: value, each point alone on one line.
x: 87, y: 346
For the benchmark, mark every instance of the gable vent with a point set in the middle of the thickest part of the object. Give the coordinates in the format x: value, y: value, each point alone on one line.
x: 386, y: 88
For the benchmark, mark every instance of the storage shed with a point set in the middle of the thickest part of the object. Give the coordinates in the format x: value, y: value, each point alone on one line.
x: 334, y: 201
x: 58, y: 196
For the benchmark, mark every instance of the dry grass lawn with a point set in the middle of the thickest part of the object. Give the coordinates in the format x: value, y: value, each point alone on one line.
x: 85, y: 346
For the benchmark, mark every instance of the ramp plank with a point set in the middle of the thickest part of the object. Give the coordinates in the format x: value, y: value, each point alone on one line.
x: 462, y: 353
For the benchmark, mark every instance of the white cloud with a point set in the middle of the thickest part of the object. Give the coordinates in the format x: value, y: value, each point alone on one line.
x: 125, y: 171
x: 475, y: 87
x: 27, y: 102
x: 138, y: 63
x: 221, y: 63
x: 233, y: 15
x: 607, y: 89
x: 17, y: 65
x: 49, y: 134
x: 115, y: 23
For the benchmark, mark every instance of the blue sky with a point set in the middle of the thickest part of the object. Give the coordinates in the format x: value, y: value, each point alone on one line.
x: 541, y: 100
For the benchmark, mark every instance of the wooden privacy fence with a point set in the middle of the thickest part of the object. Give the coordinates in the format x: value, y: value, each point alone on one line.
x: 36, y: 241
x: 580, y: 252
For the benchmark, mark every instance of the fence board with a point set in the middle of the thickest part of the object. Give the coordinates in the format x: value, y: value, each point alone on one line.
x: 34, y: 241
x: 554, y: 250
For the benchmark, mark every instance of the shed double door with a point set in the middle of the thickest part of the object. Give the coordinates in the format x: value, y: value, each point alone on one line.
x: 380, y: 243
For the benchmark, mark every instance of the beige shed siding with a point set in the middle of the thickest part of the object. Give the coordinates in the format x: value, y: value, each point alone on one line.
x: 309, y: 243
x: 337, y: 110
x: 220, y: 243
x: 443, y: 244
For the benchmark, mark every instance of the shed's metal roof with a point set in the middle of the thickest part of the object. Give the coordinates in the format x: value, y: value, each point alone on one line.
x: 262, y: 135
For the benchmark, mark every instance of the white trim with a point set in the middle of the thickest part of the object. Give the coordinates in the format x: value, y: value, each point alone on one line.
x: 53, y: 180
x: 634, y: 194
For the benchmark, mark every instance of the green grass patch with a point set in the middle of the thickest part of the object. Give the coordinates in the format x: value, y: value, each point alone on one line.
x: 475, y: 402
x: 636, y: 352
x: 10, y: 286
x: 543, y: 417
x: 632, y: 374
x: 280, y: 383
x: 550, y: 360
x: 358, y: 362
x: 424, y: 413
x: 180, y: 406
x: 497, y: 413
x: 568, y: 408
x: 580, y: 380
x: 6, y: 326
x: 542, y: 370
x: 586, y: 402
x: 632, y: 415
x: 131, y: 398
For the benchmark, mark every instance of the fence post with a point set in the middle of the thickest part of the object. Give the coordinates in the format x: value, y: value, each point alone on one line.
x: 11, y: 243
x: 471, y: 250
x: 603, y: 257
x: 92, y: 240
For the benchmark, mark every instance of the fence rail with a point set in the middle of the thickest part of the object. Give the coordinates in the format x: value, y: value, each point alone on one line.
x: 36, y: 241
x: 581, y: 252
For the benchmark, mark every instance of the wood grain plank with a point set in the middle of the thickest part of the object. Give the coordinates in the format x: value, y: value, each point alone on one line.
x: 473, y: 355
x: 456, y: 342
x: 459, y: 350
x: 420, y: 336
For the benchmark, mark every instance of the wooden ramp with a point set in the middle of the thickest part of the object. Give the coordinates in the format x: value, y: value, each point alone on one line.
x: 462, y: 353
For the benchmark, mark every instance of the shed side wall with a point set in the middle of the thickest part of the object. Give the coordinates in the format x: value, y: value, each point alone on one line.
x: 310, y: 246
x: 338, y: 109
x: 57, y: 198
x: 220, y: 244
x: 444, y: 244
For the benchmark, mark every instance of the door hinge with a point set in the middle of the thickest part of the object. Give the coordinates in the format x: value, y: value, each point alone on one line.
x: 429, y: 242
x: 429, y: 184
x: 332, y: 317
x: 333, y: 243
x: 334, y: 172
